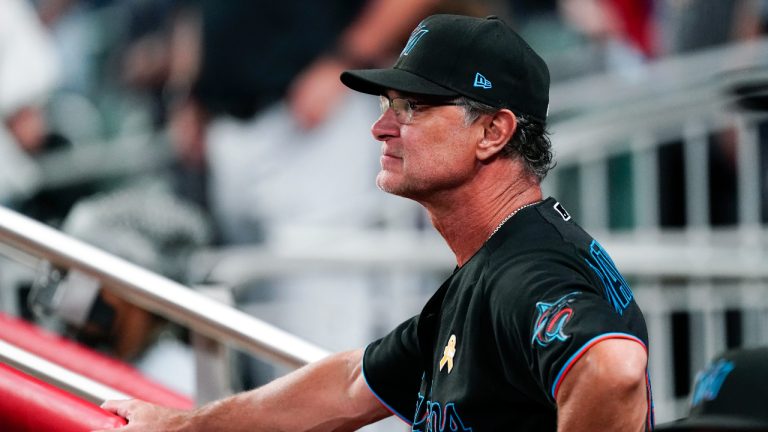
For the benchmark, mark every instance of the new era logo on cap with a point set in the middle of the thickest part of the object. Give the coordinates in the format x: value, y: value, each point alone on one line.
x: 482, y: 82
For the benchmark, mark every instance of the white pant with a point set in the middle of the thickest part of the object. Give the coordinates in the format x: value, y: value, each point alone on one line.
x: 267, y: 171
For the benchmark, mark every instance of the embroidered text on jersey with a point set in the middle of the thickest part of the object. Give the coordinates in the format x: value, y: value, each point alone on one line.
x: 552, y: 318
x: 617, y: 290
x: 448, y: 353
x: 431, y: 417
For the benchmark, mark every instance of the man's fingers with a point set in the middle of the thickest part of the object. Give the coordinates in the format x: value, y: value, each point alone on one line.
x: 120, y: 429
x: 118, y: 407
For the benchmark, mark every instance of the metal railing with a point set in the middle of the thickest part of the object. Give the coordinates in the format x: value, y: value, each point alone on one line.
x: 52, y: 373
x: 27, y: 240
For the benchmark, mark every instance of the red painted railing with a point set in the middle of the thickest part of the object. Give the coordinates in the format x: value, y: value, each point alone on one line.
x: 28, y: 404
x: 91, y: 364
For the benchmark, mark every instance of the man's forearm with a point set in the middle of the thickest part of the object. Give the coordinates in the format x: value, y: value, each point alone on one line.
x: 328, y: 395
x: 381, y: 26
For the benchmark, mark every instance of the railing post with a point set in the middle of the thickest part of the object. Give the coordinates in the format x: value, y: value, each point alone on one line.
x: 212, y: 358
x: 696, y: 165
x: 748, y: 177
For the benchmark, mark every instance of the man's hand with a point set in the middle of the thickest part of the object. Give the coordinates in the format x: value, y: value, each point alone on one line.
x: 146, y: 417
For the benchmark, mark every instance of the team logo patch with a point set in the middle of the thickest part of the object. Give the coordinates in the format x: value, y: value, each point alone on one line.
x: 552, y: 318
x: 448, y: 352
x: 710, y: 381
x: 416, y: 36
x: 482, y: 82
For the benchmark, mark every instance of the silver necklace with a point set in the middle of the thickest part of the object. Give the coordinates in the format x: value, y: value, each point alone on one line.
x: 509, y: 216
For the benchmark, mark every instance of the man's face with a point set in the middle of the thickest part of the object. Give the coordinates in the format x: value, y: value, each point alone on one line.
x: 433, y: 154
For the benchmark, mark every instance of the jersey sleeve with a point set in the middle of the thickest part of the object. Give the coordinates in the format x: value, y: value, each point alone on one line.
x: 392, y: 368
x: 552, y: 315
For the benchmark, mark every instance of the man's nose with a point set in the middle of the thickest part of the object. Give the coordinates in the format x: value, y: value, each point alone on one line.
x: 386, y: 126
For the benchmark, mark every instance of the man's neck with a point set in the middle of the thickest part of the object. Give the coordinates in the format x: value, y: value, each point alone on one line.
x: 467, y: 217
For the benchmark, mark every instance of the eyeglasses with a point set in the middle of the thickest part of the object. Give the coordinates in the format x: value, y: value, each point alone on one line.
x: 404, y: 108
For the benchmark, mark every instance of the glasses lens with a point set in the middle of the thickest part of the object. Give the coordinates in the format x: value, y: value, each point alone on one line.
x: 383, y: 104
x: 403, y: 111
x: 401, y: 107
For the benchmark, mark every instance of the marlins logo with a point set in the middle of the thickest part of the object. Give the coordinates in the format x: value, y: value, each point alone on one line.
x: 552, y: 319
x: 416, y: 36
x: 709, y: 382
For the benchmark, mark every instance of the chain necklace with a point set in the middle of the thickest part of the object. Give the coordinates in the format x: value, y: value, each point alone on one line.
x: 509, y: 216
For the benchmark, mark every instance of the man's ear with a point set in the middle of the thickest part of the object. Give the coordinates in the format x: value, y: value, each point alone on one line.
x: 498, y: 130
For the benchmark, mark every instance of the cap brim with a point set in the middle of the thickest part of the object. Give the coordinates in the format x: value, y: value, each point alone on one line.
x: 376, y: 81
x: 705, y: 422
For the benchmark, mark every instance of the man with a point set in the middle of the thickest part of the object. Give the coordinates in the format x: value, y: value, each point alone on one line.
x: 729, y: 395
x: 534, y: 331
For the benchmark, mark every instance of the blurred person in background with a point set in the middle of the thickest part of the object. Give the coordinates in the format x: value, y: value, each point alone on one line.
x: 261, y: 106
x: 624, y: 29
x: 579, y: 37
x: 28, y: 76
x: 261, y: 116
x: 730, y: 394
x: 145, y: 224
x: 691, y: 27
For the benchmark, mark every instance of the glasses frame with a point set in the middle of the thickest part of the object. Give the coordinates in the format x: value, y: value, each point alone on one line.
x: 404, y: 107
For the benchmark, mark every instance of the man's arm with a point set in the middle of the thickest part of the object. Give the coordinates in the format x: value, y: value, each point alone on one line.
x: 381, y: 27
x: 605, y: 390
x: 330, y: 394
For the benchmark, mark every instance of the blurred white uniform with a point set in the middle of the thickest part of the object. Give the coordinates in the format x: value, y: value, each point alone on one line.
x: 28, y: 74
x: 269, y: 176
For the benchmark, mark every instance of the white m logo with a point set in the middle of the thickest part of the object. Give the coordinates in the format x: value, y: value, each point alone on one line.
x: 415, y: 37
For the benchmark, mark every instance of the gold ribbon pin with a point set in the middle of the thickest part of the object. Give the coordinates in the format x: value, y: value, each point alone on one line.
x: 448, y: 353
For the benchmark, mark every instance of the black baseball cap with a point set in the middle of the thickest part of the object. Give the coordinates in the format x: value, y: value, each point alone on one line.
x: 452, y: 55
x: 730, y: 394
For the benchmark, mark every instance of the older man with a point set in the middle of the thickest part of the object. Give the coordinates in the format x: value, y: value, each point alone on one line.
x: 535, y: 330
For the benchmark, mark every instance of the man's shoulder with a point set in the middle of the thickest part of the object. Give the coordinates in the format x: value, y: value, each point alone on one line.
x: 546, y: 226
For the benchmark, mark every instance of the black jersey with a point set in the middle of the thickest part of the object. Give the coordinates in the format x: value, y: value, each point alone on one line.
x: 491, y: 347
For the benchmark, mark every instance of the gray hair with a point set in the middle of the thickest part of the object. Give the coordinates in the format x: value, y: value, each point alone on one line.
x: 530, y: 142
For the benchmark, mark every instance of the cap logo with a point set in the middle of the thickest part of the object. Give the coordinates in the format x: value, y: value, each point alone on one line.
x: 709, y: 382
x: 416, y: 36
x: 482, y: 82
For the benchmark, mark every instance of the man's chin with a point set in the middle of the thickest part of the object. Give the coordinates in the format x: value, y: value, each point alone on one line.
x: 387, y: 184
x: 398, y: 189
